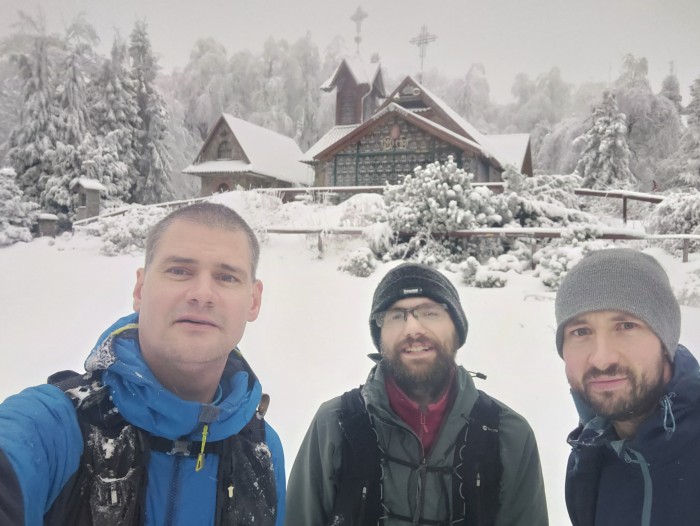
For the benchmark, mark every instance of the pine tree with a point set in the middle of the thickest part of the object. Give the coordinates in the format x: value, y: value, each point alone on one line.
x: 153, y: 183
x: 35, y: 135
x: 115, y: 118
x: 671, y: 89
x: 604, y: 162
x: 683, y: 167
x: 16, y: 215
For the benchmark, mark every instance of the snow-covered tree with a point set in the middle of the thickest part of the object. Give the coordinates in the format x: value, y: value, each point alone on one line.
x: 653, y: 122
x: 205, y: 86
x: 74, y: 116
x: 677, y: 214
x: 35, y: 134
x: 604, y: 161
x: 153, y: 183
x: 682, y: 169
x: 16, y: 215
x: 115, y: 117
x: 671, y: 89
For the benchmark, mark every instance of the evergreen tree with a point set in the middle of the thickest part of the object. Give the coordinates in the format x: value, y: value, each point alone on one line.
x: 604, y: 162
x: 153, y: 183
x: 16, y: 215
x: 35, y: 135
x: 683, y: 167
x: 671, y: 89
x: 74, y: 117
x: 115, y: 118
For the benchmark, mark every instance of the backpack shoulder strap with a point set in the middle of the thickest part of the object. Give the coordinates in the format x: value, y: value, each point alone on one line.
x: 358, y: 483
x: 476, y: 488
x: 107, y: 487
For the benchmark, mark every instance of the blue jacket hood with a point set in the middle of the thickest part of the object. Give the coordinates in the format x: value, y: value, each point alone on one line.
x: 144, y: 402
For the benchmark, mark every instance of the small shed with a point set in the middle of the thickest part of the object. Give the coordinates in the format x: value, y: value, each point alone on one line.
x: 88, y: 191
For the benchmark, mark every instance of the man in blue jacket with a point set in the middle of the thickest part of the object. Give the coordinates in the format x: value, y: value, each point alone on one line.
x: 635, y: 458
x: 166, y: 425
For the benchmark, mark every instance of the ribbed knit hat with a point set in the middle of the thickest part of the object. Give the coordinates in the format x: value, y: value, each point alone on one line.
x: 415, y: 280
x: 620, y: 279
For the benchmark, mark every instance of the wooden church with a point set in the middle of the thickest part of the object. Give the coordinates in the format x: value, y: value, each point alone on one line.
x: 378, y: 139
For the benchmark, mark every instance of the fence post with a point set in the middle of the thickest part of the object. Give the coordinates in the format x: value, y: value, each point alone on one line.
x: 686, y: 243
x: 624, y: 209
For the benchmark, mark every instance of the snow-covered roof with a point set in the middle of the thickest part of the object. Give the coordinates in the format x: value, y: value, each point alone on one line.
x: 362, y: 72
x: 270, y: 154
x: 88, y: 184
x: 511, y: 147
x: 331, y: 137
x: 506, y: 149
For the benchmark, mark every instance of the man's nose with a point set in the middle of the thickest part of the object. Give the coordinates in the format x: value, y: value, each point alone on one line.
x: 413, y: 325
x: 605, y: 352
x: 201, y: 290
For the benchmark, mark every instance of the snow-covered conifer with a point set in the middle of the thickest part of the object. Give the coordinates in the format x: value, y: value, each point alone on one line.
x: 116, y: 120
x: 35, y: 134
x: 153, y: 183
x: 604, y: 161
x: 16, y: 215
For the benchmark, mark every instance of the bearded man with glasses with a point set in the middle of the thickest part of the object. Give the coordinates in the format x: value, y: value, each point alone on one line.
x: 417, y: 443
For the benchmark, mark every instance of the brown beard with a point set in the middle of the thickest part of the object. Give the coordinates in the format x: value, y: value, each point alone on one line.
x: 644, y: 395
x: 432, y: 381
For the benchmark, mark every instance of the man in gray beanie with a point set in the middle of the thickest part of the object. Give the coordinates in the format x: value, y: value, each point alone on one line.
x: 634, y: 457
x: 417, y: 443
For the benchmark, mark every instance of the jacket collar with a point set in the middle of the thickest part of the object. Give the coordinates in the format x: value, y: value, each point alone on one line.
x: 145, y: 403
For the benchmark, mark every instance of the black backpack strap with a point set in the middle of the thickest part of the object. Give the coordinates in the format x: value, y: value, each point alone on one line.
x: 247, y: 495
x: 478, y: 469
x: 358, y: 483
x: 107, y: 488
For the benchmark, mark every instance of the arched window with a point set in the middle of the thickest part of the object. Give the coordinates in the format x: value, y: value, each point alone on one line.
x: 225, y: 151
x: 223, y: 187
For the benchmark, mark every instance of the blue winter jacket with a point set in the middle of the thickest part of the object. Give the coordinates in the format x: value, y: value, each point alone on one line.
x: 41, y: 442
x: 650, y: 480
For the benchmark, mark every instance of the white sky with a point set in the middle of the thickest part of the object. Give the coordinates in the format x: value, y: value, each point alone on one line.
x: 585, y: 39
x: 312, y: 337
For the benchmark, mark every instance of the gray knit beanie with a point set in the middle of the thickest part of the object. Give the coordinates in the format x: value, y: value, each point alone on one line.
x: 416, y: 280
x: 621, y: 279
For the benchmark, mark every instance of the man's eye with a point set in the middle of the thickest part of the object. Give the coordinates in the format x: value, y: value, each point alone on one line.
x: 627, y: 325
x: 178, y: 271
x: 581, y: 331
x: 228, y: 278
x: 394, y: 315
x: 430, y: 313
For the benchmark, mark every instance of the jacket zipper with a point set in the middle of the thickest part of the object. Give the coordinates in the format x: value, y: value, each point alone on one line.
x: 174, y: 491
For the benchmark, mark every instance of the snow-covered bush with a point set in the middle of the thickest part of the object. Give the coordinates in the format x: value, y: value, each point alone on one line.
x: 677, y: 214
x: 494, y: 272
x: 360, y: 263
x: 441, y: 198
x: 363, y: 210
x: 126, y: 233
x: 554, y: 260
x: 379, y: 238
x: 543, y: 200
x: 16, y: 216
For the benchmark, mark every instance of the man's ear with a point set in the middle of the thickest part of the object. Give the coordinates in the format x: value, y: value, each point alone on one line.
x: 140, y: 276
x: 256, y: 292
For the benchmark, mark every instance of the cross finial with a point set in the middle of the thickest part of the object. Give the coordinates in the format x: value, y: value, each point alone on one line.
x: 358, y: 17
x: 422, y: 40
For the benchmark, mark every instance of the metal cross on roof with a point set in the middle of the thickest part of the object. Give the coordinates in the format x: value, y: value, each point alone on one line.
x: 358, y: 17
x: 422, y: 40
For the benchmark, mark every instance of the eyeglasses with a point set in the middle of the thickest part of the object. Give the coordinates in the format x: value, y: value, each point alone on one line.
x: 427, y: 314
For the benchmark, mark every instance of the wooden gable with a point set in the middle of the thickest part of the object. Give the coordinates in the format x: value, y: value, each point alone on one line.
x: 221, y: 144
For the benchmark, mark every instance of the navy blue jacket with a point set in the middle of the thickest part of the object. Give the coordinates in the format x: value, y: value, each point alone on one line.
x: 41, y: 442
x: 650, y: 480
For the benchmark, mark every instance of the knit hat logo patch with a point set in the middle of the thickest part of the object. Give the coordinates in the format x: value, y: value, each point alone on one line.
x: 414, y: 290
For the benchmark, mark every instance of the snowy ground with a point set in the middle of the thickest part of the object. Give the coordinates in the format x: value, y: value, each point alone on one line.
x: 311, y: 339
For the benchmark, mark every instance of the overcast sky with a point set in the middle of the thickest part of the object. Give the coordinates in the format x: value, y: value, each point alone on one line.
x: 586, y: 39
